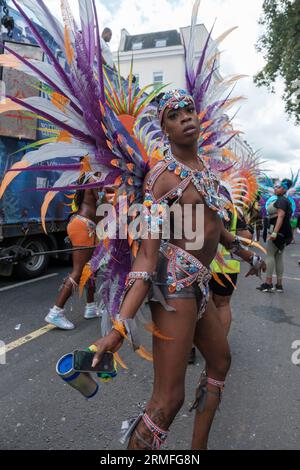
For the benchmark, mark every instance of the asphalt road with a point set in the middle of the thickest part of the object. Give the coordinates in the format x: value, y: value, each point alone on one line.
x: 261, y: 404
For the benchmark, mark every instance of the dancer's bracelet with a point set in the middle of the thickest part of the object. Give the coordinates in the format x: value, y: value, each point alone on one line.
x: 256, y: 262
x: 120, y: 326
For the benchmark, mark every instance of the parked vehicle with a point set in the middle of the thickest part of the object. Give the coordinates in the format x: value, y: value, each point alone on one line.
x: 20, y: 219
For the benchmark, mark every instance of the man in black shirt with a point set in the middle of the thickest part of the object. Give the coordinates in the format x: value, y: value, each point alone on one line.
x: 280, y: 235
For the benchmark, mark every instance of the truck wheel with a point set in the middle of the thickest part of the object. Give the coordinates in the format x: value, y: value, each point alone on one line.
x: 33, y: 267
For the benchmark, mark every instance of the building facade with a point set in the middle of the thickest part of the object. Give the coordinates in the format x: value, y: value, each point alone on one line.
x: 158, y: 57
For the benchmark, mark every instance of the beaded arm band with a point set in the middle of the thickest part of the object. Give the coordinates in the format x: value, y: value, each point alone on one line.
x: 257, y: 262
x: 236, y: 245
x: 127, y: 327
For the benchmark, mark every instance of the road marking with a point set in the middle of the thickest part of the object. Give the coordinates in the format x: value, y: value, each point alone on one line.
x: 29, y: 337
x: 292, y: 278
x: 28, y: 282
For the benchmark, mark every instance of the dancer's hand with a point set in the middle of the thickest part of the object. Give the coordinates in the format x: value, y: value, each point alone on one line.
x: 110, y: 343
x: 254, y: 272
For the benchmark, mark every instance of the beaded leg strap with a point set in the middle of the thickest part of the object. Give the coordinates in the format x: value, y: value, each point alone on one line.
x: 129, y: 427
x: 74, y: 284
x: 202, y: 392
x: 159, y: 435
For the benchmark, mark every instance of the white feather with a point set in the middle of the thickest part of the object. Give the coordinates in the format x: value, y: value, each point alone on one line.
x: 68, y: 116
x: 56, y: 32
x: 56, y: 150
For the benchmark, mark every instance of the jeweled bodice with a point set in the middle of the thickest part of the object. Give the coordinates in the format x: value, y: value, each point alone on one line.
x: 205, y: 181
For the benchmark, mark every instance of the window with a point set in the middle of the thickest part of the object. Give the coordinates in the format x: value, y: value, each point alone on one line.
x: 161, y: 43
x: 41, y: 182
x: 137, y: 45
x: 158, y: 78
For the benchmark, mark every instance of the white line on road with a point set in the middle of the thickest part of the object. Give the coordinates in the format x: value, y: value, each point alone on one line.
x: 29, y: 337
x: 292, y: 278
x: 28, y: 282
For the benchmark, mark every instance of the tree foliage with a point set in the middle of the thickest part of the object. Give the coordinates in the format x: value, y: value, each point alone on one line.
x: 280, y: 46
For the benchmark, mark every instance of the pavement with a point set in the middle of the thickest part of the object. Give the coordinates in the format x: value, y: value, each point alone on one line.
x: 38, y: 411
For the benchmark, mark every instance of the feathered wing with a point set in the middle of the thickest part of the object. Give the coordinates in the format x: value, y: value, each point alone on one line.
x: 242, y: 182
x: 94, y: 116
x: 212, y: 94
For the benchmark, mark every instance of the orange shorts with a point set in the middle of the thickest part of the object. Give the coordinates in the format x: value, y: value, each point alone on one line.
x: 82, y: 231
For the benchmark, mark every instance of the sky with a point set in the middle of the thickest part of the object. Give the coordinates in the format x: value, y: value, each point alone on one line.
x: 261, y: 118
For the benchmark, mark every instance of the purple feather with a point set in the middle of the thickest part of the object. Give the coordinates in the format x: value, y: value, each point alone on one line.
x: 49, y: 168
x: 76, y: 133
x: 43, y: 77
x: 76, y: 187
x: 45, y: 48
x: 88, y: 92
x: 53, y: 23
x: 88, y: 33
x: 202, y: 58
x: 223, y: 144
x: 199, y: 94
x: 99, y: 55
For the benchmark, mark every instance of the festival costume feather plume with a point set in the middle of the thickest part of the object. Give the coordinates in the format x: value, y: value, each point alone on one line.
x: 107, y: 122
x: 90, y: 123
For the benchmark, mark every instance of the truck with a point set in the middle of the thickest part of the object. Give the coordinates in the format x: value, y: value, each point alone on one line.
x: 20, y: 219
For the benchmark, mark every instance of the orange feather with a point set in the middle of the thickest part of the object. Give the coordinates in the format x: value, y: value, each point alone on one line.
x: 11, y: 175
x: 119, y: 360
x: 152, y: 328
x: 217, y: 279
x: 85, y: 276
x: 144, y: 354
x: 48, y: 198
x: 68, y: 46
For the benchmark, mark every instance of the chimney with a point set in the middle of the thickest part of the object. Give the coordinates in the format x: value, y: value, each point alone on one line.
x: 124, y: 34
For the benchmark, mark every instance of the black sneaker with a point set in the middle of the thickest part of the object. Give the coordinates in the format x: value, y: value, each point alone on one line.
x: 266, y: 287
x: 192, y: 358
x: 279, y: 288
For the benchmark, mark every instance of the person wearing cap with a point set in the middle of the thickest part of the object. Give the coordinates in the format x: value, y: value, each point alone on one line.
x: 280, y: 235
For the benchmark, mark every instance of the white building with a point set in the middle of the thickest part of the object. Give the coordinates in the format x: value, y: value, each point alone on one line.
x: 159, y: 58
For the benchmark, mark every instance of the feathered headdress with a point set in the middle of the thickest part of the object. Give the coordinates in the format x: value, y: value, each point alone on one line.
x: 107, y: 125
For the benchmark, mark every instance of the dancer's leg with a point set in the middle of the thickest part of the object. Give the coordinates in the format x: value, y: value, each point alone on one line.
x: 170, y: 364
x: 222, y: 304
x: 80, y: 258
x: 211, y: 340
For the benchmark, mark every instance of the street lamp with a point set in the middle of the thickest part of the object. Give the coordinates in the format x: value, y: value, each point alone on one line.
x: 6, y: 20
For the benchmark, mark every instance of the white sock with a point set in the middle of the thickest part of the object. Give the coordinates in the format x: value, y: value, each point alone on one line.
x: 57, y: 309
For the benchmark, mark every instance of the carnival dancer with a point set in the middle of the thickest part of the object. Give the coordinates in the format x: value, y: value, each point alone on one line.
x: 82, y: 234
x: 182, y: 311
x: 89, y: 125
